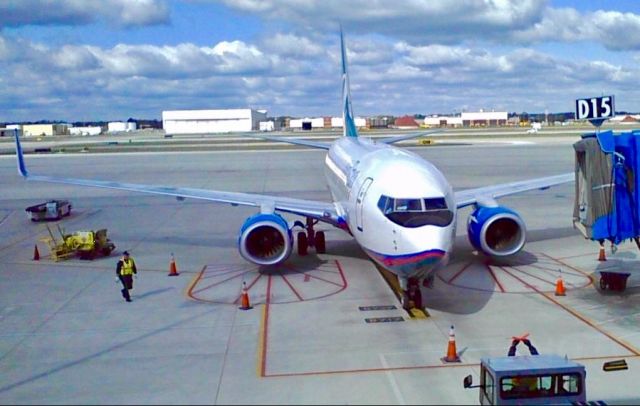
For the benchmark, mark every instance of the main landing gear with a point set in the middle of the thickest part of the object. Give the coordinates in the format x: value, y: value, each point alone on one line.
x: 310, y: 238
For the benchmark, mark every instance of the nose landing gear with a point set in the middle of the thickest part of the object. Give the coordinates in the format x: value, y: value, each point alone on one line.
x: 310, y: 238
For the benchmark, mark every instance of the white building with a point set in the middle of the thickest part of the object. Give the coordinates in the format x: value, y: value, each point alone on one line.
x: 443, y: 121
x: 484, y: 118
x: 212, y: 121
x: 85, y: 130
x: 267, y: 126
x: 299, y: 123
x: 116, y: 126
x: 336, y: 122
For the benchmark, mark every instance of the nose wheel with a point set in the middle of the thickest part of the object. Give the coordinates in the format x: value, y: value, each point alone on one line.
x: 311, y: 238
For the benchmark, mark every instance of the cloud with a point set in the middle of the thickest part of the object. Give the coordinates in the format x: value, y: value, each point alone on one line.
x: 77, y: 82
x: 125, y: 13
x: 409, y: 20
x: 615, y: 30
x: 517, y: 22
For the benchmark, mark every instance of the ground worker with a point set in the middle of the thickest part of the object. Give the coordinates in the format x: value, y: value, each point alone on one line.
x: 125, y: 270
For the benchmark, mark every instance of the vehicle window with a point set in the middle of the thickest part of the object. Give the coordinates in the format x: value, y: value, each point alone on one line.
x: 488, y: 386
x: 519, y: 387
x: 530, y: 386
x: 569, y: 384
x: 412, y: 213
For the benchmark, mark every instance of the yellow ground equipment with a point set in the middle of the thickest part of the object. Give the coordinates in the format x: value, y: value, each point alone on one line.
x: 85, y: 244
x: 425, y: 141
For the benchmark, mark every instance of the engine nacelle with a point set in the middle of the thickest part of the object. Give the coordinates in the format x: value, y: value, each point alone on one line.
x: 496, y: 231
x: 265, y: 239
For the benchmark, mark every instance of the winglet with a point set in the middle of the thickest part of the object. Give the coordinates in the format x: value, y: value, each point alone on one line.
x: 349, y: 126
x: 22, y: 168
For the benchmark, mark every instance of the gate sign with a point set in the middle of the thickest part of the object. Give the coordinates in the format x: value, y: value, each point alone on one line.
x: 595, y: 108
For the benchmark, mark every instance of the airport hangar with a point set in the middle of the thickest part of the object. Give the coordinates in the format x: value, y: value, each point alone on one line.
x: 245, y: 120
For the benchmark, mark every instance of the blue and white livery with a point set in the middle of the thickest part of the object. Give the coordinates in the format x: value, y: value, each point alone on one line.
x: 399, y: 207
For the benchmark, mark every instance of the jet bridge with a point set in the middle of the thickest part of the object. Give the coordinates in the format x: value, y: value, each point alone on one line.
x: 607, y: 204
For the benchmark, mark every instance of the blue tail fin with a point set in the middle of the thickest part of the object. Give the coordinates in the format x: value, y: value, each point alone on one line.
x: 349, y: 125
x: 22, y: 168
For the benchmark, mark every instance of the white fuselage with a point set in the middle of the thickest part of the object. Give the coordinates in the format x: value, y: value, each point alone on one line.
x: 363, y: 175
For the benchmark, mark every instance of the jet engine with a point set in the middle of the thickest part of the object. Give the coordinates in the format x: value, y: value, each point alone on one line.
x: 265, y: 239
x: 496, y: 231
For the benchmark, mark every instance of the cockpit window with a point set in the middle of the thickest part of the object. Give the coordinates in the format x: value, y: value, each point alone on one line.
x: 414, y: 213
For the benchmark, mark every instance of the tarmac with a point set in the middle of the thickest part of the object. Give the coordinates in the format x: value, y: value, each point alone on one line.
x: 323, y: 329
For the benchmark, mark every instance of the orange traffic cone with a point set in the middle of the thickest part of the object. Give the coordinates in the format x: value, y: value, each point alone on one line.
x: 452, y: 354
x: 36, y: 254
x: 560, y: 287
x: 173, y: 271
x: 244, y: 298
x: 601, y: 255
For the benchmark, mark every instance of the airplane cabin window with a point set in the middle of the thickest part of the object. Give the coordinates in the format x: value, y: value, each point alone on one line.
x: 412, y: 213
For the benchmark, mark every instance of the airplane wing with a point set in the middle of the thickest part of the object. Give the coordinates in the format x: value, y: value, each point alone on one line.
x: 298, y: 141
x: 472, y: 196
x: 322, y: 211
x: 393, y: 140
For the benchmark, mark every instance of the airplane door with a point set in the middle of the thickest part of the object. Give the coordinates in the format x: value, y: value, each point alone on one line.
x: 359, y: 206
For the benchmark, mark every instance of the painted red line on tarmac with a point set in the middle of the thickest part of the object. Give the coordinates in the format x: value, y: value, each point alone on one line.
x: 218, y: 283
x: 591, y: 279
x: 464, y: 268
x: 295, y: 292
x: 494, y: 277
x: 588, y: 322
x: 344, y: 280
x: 321, y: 279
x: 221, y: 272
x: 533, y: 276
x: 553, y: 269
x: 525, y: 283
x: 253, y: 282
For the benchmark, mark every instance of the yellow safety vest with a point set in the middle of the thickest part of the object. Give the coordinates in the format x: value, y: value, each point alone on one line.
x: 127, y: 267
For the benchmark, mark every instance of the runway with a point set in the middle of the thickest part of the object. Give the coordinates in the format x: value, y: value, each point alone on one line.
x: 314, y: 335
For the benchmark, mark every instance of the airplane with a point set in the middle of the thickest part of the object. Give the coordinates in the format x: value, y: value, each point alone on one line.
x: 399, y: 207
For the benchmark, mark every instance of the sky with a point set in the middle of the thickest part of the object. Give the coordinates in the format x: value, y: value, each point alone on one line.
x: 95, y: 60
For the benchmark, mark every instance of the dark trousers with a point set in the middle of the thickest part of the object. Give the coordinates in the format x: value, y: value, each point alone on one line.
x: 127, y: 283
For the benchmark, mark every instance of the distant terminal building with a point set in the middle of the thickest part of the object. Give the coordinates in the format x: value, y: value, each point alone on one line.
x: 212, y: 121
x: 484, y: 119
x: 36, y: 130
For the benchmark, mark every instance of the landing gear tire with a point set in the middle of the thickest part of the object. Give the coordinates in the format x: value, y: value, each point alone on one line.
x: 405, y: 301
x: 303, y: 243
x: 321, y: 247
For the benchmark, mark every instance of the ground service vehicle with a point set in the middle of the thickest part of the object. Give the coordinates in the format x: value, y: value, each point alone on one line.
x: 51, y: 210
x: 530, y: 379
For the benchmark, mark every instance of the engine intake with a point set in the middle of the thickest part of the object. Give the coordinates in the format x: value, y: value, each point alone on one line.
x: 496, y: 231
x: 265, y: 239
